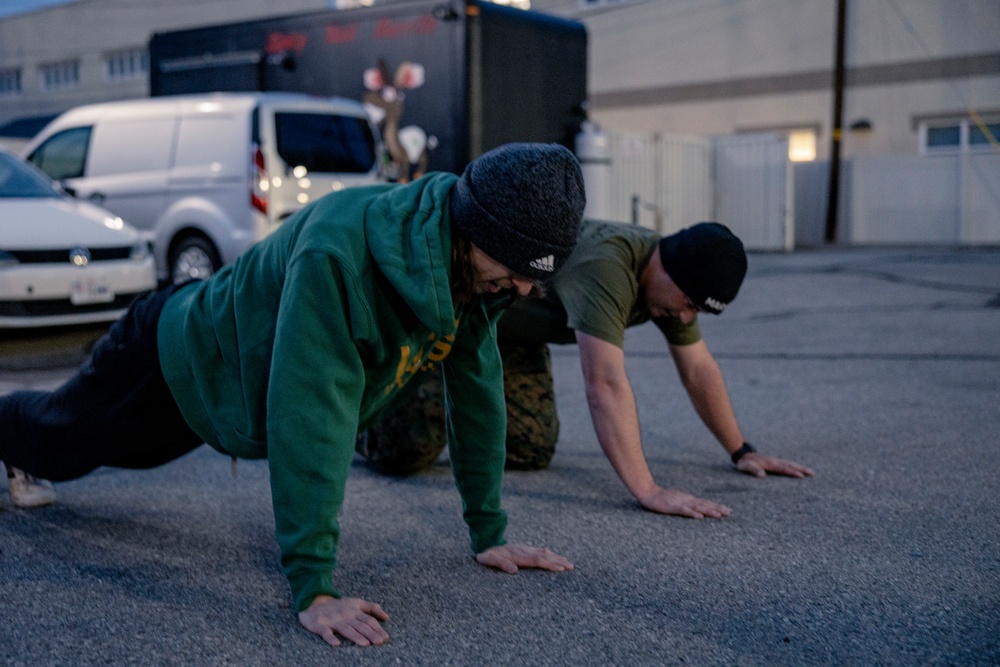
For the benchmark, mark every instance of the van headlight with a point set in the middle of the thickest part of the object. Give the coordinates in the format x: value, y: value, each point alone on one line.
x: 7, y: 259
x: 140, y: 251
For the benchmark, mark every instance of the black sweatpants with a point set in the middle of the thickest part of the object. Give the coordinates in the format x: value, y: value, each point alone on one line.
x: 116, y: 411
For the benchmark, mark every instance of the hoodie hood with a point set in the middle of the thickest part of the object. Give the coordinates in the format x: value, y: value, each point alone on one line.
x: 408, y: 231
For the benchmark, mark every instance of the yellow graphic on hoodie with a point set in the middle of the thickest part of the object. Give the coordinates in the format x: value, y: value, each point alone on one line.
x: 411, y: 363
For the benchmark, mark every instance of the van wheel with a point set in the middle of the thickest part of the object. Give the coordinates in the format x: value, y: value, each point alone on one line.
x: 193, y: 257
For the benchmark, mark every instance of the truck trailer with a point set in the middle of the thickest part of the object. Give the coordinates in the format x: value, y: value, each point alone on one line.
x: 445, y: 80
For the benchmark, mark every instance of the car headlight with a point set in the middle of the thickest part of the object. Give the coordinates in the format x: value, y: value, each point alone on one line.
x: 140, y: 251
x: 7, y: 259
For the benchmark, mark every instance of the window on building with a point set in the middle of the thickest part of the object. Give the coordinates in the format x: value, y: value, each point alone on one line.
x: 944, y: 137
x: 126, y: 65
x: 60, y: 75
x: 979, y: 136
x: 10, y: 82
x: 956, y: 135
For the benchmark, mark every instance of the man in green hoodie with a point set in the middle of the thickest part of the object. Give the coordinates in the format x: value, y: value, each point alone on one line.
x: 310, y: 336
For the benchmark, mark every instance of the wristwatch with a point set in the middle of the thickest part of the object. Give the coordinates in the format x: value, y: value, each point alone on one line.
x: 745, y: 449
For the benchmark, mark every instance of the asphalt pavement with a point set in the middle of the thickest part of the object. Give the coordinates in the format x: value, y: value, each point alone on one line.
x: 877, y: 367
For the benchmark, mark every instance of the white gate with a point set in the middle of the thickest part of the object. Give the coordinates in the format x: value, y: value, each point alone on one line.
x: 686, y: 182
x: 662, y: 182
x: 668, y: 182
x: 754, y: 189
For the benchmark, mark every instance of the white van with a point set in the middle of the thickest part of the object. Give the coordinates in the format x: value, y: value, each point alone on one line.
x: 205, y: 176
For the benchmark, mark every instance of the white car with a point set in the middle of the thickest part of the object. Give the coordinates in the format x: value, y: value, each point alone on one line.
x: 63, y: 261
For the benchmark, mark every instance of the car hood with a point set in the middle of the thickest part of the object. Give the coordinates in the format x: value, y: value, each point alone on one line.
x: 39, y: 223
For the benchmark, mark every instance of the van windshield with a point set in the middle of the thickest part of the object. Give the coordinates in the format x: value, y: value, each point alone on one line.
x: 18, y: 179
x: 325, y: 143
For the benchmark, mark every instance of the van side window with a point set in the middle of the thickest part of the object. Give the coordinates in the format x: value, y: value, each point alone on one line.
x: 132, y: 146
x: 64, y: 154
x: 325, y: 143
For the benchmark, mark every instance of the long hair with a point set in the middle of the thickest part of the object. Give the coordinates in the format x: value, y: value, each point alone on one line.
x: 463, y: 272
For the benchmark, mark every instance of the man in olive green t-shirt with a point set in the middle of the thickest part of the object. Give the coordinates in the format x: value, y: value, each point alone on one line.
x: 618, y: 276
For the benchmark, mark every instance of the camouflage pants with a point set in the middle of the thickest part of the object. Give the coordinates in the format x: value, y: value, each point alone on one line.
x: 413, y: 436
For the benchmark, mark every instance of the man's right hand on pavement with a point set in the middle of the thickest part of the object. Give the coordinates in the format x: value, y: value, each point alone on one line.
x: 353, y: 619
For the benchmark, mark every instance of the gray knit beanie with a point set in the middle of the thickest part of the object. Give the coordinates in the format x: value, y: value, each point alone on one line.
x: 522, y: 205
x: 707, y: 262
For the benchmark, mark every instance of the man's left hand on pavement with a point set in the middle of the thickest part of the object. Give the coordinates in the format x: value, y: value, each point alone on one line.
x: 758, y: 465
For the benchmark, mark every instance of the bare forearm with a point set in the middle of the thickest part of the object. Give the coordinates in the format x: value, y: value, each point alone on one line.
x: 703, y: 380
x: 616, y: 422
x: 617, y: 425
x: 612, y: 408
x: 706, y: 388
x: 711, y: 402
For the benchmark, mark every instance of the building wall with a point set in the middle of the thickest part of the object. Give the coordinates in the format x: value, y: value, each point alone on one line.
x: 718, y: 66
x: 89, y: 30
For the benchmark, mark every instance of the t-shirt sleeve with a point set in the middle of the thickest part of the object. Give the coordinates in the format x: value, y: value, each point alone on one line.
x: 599, y: 298
x: 678, y: 333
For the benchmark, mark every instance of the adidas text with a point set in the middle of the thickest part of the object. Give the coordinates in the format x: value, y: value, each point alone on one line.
x: 543, y: 264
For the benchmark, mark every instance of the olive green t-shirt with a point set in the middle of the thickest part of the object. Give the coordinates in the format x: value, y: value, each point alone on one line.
x: 596, y: 292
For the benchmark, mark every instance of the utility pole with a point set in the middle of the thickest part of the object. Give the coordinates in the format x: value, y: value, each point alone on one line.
x: 837, y: 126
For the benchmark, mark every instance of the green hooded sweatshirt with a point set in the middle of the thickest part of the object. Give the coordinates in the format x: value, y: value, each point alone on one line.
x: 314, y: 332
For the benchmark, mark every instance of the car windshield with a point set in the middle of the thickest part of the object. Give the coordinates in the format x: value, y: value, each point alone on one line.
x: 18, y: 179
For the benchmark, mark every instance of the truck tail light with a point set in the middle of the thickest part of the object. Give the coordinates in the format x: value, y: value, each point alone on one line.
x: 260, y: 185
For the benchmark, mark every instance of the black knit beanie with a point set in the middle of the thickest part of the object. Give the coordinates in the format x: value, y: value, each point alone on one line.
x: 707, y: 262
x: 522, y: 205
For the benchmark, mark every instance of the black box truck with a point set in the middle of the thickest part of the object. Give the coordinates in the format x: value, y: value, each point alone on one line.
x: 445, y: 80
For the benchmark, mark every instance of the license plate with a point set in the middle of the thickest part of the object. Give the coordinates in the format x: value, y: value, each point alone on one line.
x: 90, y: 290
